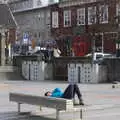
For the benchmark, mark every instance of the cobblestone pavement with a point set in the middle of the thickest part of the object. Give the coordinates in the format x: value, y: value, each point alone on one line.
x: 102, y: 101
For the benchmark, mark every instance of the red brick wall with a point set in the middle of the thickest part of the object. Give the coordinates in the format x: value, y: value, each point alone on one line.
x: 12, y: 35
x: 68, y: 31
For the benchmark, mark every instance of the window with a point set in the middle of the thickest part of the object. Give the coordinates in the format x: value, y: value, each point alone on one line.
x: 81, y: 16
x: 39, y: 34
x: 48, y: 19
x: 67, y: 18
x: 117, y: 11
x: 92, y: 15
x: 89, y: 1
x: 38, y: 2
x: 55, y: 19
x: 35, y: 35
x: 41, y: 17
x: 103, y: 10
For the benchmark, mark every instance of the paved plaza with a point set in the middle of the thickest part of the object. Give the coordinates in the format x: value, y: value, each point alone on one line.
x: 101, y: 101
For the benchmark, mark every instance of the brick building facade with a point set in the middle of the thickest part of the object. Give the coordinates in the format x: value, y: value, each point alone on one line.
x: 95, y: 20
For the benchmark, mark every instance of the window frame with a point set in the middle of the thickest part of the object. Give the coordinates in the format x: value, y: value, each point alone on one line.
x: 67, y: 18
x: 81, y: 16
x: 102, y: 18
x: 92, y: 13
x: 55, y: 20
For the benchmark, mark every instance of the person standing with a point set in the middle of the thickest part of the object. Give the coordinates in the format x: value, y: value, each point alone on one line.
x: 56, y: 52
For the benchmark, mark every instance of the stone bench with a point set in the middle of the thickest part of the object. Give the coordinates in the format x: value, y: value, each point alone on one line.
x: 51, y: 102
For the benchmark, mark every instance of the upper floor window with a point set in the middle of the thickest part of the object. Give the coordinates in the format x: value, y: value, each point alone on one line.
x: 117, y: 12
x: 38, y: 2
x: 48, y: 18
x: 117, y: 9
x: 55, y: 19
x: 81, y: 16
x: 89, y: 1
x: 67, y: 18
x: 92, y: 15
x: 103, y: 10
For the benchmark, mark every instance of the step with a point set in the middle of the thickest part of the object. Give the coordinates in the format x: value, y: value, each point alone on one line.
x: 7, y: 68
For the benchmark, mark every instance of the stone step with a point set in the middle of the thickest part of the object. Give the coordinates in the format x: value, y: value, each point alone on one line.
x: 8, y: 68
x: 10, y: 73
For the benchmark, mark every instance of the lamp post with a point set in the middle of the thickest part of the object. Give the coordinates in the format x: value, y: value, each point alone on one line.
x: 93, y: 21
x: 93, y: 45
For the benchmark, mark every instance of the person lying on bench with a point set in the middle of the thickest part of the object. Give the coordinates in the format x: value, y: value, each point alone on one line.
x: 69, y: 93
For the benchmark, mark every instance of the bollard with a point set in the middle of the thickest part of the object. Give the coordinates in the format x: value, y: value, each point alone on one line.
x: 113, y: 86
x: 81, y: 114
x: 57, y: 114
x: 40, y: 108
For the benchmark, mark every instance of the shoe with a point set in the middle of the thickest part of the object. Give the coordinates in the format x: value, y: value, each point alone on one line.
x: 81, y: 102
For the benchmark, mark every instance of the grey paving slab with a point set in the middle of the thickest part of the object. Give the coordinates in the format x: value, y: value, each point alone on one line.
x: 102, y: 101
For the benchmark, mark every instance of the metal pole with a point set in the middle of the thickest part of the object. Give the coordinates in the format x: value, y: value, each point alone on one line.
x: 19, y: 104
x: 57, y: 114
x: 102, y: 43
x: 93, y: 48
x: 81, y: 114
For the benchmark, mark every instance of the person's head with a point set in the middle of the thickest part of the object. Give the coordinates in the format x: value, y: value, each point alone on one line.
x: 48, y: 93
x: 55, y: 46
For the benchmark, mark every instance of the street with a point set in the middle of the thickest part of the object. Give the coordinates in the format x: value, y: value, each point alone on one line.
x: 101, y: 101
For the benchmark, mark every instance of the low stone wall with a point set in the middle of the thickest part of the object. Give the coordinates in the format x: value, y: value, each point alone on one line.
x: 10, y: 73
x: 37, y: 70
x: 87, y: 73
x: 113, y: 67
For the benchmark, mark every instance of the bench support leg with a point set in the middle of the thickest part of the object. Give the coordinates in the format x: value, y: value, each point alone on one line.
x: 57, y: 114
x: 81, y: 114
x: 19, y: 107
x: 40, y: 108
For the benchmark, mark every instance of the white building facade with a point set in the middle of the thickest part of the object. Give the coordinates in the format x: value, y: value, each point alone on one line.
x: 33, y: 18
x: 4, y: 1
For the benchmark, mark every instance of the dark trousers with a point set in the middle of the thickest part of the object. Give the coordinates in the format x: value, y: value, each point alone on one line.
x: 70, y: 92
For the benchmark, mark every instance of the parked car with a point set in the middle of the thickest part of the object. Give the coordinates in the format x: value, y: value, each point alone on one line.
x: 100, y: 56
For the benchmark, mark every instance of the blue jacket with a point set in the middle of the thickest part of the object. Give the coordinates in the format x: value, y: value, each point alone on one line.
x: 57, y: 92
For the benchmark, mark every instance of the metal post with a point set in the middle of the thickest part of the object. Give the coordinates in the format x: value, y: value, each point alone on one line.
x: 40, y: 108
x: 57, y: 114
x: 81, y: 114
x: 102, y: 43
x: 18, y: 107
x: 93, y: 48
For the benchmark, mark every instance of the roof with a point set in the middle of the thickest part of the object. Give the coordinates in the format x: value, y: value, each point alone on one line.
x: 6, y: 18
